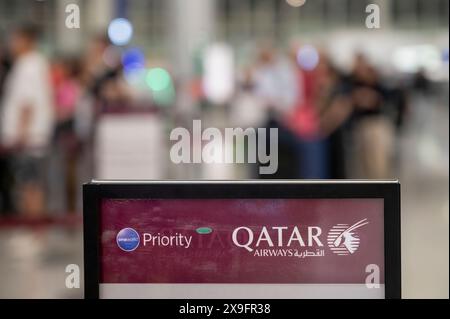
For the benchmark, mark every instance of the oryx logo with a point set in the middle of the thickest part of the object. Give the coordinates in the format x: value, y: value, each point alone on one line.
x: 343, y: 239
x: 128, y: 239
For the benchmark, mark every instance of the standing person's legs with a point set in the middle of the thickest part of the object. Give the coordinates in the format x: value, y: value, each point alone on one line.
x: 356, y: 159
x: 314, y: 159
x: 375, y: 142
x: 71, y: 183
x: 288, y: 155
x: 30, y: 183
x: 383, y: 136
x: 56, y: 180
x: 6, y: 180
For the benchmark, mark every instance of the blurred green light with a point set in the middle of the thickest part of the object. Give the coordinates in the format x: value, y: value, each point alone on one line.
x: 158, y: 79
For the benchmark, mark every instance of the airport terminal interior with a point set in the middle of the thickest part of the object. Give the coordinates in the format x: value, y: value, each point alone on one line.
x: 352, y: 99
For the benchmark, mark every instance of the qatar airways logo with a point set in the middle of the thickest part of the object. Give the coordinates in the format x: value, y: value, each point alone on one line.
x: 301, y: 242
x: 343, y: 239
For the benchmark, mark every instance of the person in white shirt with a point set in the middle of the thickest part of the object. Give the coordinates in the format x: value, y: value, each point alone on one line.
x: 26, y: 121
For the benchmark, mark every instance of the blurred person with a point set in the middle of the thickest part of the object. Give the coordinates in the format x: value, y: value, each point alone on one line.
x: 94, y: 63
x: 94, y: 72
x: 247, y: 109
x: 6, y: 178
x: 358, y: 110
x: 102, y: 75
x: 102, y: 90
x: 275, y: 86
x: 421, y: 83
x: 334, y: 110
x: 372, y: 130
x: 303, y: 121
x: 64, y: 151
x: 5, y: 66
x: 27, y: 119
x: 274, y: 81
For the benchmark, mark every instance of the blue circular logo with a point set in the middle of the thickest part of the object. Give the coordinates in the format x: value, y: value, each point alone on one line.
x: 128, y: 239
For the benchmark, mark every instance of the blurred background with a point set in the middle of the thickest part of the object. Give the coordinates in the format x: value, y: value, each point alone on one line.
x: 99, y: 101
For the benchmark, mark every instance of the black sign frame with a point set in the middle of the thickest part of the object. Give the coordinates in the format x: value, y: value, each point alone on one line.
x: 95, y: 191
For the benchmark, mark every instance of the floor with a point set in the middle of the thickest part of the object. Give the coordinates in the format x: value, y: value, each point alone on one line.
x: 424, y: 174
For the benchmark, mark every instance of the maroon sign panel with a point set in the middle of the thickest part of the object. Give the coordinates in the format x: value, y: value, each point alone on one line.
x: 272, y: 241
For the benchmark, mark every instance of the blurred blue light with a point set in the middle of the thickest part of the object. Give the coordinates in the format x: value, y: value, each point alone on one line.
x: 133, y: 58
x: 308, y: 57
x: 120, y: 31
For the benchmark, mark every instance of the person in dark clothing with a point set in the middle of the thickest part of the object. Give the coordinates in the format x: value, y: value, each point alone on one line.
x: 6, y: 178
x: 334, y: 110
x: 372, y: 128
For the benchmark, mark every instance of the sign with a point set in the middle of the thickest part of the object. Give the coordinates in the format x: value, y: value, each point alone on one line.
x: 243, y: 240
